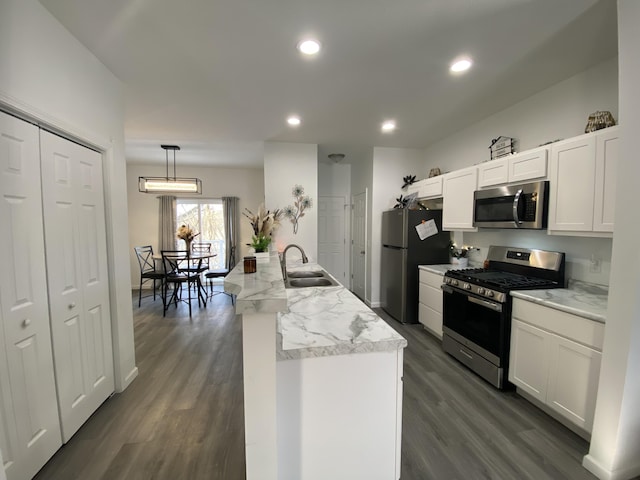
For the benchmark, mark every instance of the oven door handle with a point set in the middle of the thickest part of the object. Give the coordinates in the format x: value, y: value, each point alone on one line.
x: 516, y: 201
x: 496, y: 307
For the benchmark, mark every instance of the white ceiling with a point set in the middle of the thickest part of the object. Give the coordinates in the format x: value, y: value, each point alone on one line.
x: 219, y: 77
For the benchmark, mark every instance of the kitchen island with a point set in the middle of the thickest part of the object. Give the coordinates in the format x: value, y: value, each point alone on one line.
x: 322, y: 380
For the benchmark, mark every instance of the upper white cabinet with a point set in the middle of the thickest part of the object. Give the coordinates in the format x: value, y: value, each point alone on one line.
x: 457, y: 199
x: 555, y: 358
x: 427, y: 188
x: 517, y: 168
x: 582, y: 190
x: 607, y: 144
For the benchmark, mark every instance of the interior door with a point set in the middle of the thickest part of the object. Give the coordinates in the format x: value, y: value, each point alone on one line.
x: 29, y: 424
x: 332, y: 236
x: 77, y: 278
x: 358, y: 244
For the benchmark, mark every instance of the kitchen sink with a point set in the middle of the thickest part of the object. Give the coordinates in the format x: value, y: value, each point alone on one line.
x: 304, y: 274
x: 309, y: 279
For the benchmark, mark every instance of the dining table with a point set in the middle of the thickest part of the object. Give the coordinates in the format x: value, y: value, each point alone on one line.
x: 191, y: 256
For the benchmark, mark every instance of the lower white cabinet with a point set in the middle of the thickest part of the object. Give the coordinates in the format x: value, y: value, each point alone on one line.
x: 555, y: 358
x: 430, y: 302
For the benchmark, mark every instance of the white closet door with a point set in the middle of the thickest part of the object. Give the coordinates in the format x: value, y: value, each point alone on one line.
x: 77, y: 278
x: 29, y: 424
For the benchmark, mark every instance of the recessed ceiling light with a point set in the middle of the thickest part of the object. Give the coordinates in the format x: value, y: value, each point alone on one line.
x: 388, y: 126
x: 293, y: 120
x: 461, y: 65
x: 309, y: 47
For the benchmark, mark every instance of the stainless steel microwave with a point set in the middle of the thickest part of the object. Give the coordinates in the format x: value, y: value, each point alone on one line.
x: 512, y: 206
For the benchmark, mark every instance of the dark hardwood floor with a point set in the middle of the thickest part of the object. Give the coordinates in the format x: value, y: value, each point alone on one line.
x: 182, y: 417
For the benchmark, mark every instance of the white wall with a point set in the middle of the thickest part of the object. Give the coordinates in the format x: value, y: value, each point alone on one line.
x: 560, y: 111
x: 615, y: 443
x: 287, y: 165
x: 245, y: 183
x: 390, y: 166
x: 47, y: 74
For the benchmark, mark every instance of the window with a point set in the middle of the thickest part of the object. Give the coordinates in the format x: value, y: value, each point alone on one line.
x: 204, y: 216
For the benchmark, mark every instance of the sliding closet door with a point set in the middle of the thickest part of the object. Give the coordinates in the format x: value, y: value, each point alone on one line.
x: 77, y: 278
x: 29, y: 424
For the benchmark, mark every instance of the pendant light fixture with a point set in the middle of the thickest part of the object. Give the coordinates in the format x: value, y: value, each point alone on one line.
x: 169, y: 184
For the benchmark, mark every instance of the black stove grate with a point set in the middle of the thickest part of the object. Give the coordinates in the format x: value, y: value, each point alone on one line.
x: 500, y: 280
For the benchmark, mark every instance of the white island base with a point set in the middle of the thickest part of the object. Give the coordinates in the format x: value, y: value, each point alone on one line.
x: 322, y: 381
x: 340, y: 417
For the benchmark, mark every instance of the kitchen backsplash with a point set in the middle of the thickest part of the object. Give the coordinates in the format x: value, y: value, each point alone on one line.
x: 587, y: 259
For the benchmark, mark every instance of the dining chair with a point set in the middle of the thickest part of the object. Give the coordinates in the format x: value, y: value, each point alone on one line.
x: 201, y: 247
x: 175, y: 275
x: 148, y: 270
x: 221, y: 273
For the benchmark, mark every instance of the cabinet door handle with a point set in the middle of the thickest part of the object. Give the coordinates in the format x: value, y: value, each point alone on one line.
x: 469, y: 356
x: 26, y: 322
x: 72, y: 305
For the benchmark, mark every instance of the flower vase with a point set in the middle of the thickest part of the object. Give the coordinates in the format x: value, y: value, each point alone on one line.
x: 463, y: 262
x: 187, y: 244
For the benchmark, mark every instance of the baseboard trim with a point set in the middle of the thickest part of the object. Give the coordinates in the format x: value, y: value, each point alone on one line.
x: 591, y: 464
x: 128, y: 379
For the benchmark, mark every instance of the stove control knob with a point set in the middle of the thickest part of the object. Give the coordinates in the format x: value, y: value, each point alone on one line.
x: 489, y: 293
x: 480, y: 291
x: 454, y: 283
x: 466, y: 286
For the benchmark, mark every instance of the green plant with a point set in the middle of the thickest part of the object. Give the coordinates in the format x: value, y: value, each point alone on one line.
x: 260, y: 242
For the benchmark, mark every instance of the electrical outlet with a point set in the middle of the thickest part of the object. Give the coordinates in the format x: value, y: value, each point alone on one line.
x: 595, y: 265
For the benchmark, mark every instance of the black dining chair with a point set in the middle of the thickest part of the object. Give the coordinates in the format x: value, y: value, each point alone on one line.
x: 221, y: 273
x: 176, y: 275
x: 148, y: 270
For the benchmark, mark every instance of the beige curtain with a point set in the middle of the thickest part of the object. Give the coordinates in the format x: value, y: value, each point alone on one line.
x: 167, y: 223
x: 231, y: 233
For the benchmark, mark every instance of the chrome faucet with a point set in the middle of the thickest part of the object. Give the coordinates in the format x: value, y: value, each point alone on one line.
x: 283, y: 259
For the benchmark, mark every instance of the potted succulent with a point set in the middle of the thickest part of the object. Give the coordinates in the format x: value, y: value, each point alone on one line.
x: 459, y: 255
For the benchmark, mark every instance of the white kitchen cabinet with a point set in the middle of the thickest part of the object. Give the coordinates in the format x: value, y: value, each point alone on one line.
x: 457, y: 199
x: 582, y: 190
x: 529, y: 359
x: 555, y: 358
x: 492, y: 173
x: 607, y: 144
x: 529, y: 165
x: 573, y: 380
x: 427, y: 188
x: 430, y: 302
x: 517, y: 168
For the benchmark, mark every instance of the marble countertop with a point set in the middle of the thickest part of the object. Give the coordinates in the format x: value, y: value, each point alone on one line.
x: 313, y: 321
x: 260, y: 292
x: 440, y: 269
x: 584, y: 299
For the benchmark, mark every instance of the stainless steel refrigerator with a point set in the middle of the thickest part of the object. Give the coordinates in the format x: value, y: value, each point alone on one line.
x: 402, y: 252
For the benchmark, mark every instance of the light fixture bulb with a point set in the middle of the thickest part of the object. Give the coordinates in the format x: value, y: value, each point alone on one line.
x: 461, y: 65
x: 294, y: 121
x: 388, y: 126
x: 309, y: 47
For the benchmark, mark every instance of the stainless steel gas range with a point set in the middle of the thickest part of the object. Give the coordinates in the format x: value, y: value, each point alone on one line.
x: 477, y: 306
